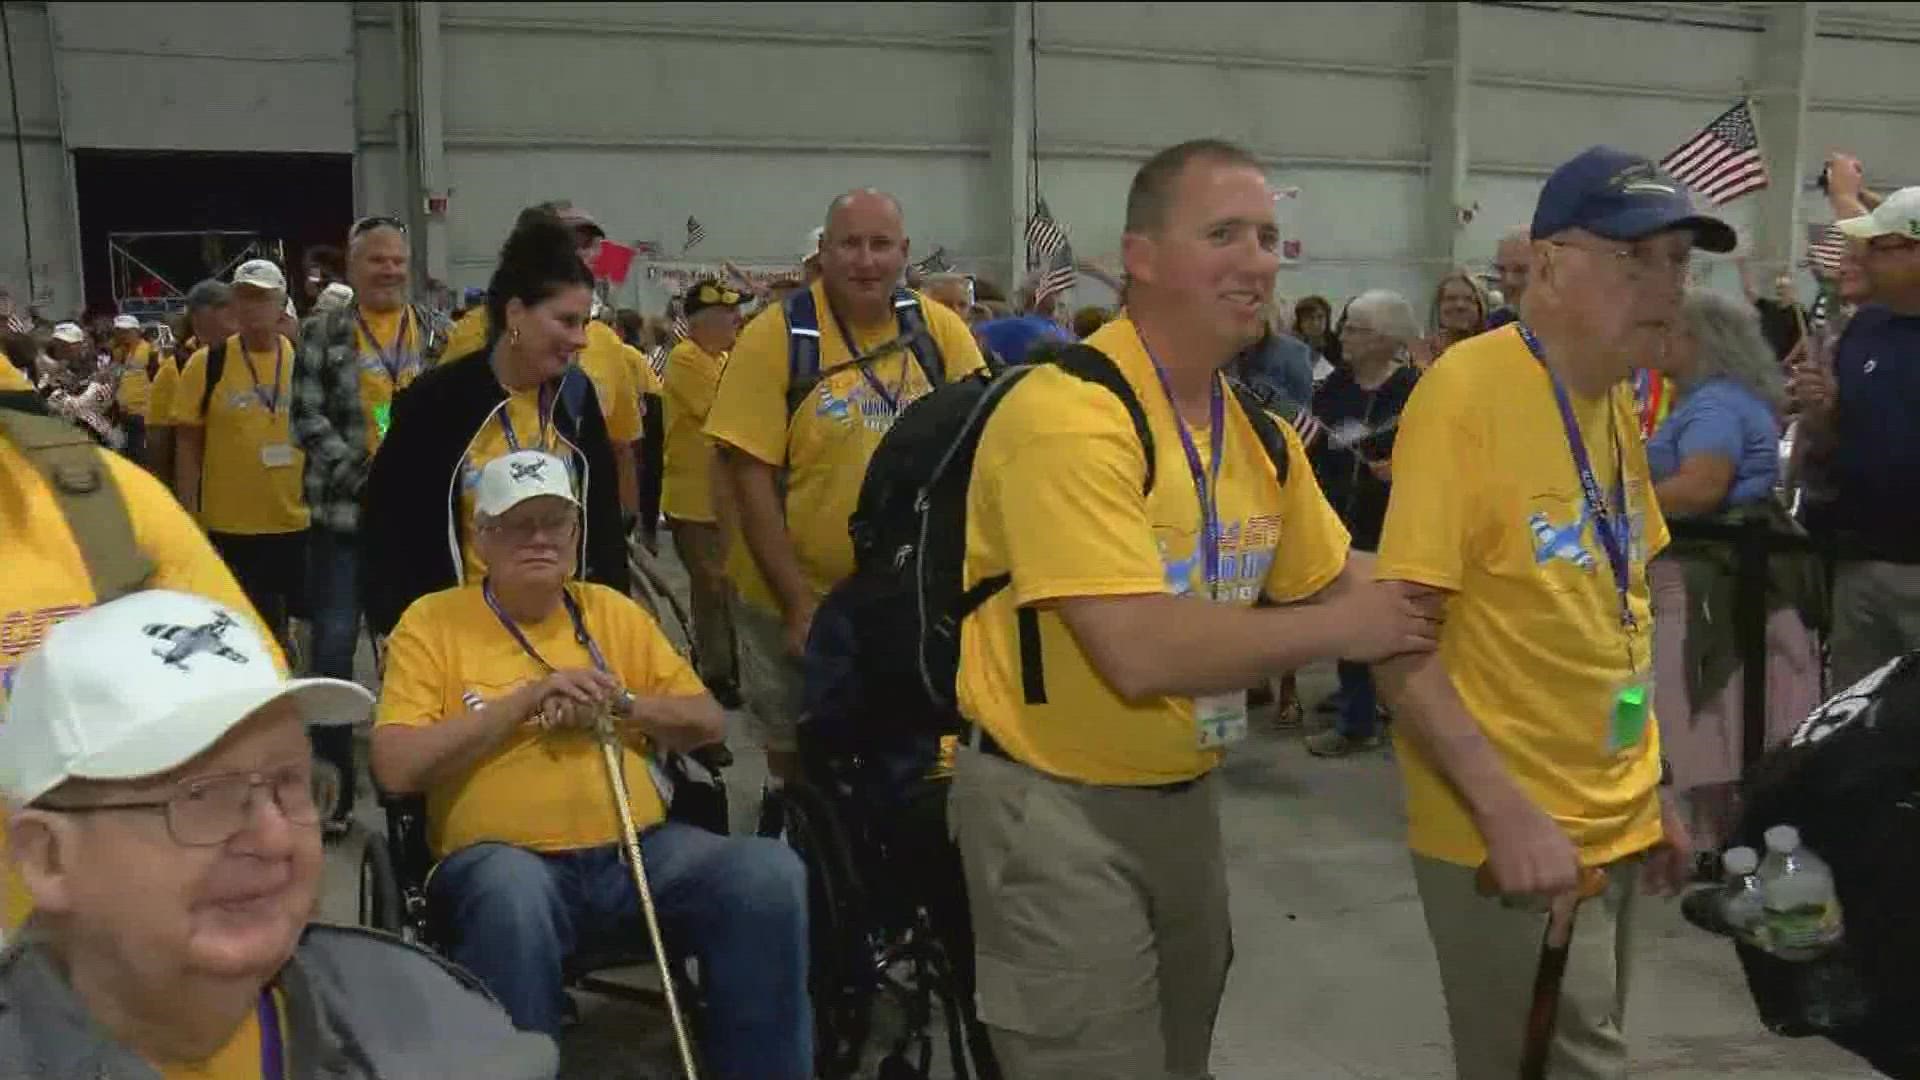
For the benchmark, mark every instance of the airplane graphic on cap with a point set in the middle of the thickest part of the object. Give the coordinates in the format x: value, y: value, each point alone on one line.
x: 187, y: 641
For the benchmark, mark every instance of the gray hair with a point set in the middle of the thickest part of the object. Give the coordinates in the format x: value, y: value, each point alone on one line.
x: 1388, y: 314
x: 1728, y: 344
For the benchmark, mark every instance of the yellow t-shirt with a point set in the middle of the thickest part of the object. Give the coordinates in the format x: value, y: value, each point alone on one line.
x: 827, y: 443
x: 160, y: 396
x: 250, y: 482
x: 605, y: 361
x: 1486, y: 504
x: 645, y: 378
x: 11, y: 378
x: 46, y: 578
x: 530, y: 414
x: 546, y: 791
x: 240, y: 1058
x: 132, y: 391
x: 686, y: 484
x: 1056, y: 501
x: 377, y: 383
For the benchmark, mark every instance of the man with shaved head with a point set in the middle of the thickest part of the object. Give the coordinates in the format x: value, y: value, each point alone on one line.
x: 1512, y: 262
x: 796, y: 419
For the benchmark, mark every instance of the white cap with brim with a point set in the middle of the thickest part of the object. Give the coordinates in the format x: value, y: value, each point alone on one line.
x: 69, y: 334
x: 260, y: 274
x: 141, y: 686
x: 125, y: 322
x: 1897, y: 215
x: 506, y: 482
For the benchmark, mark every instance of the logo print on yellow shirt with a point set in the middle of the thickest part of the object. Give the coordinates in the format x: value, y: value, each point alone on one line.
x: 874, y: 411
x: 1246, y: 557
x: 1569, y: 543
x: 22, y: 631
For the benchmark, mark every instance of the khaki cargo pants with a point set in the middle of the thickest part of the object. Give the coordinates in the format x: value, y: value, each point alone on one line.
x: 1488, y: 954
x: 1100, y: 921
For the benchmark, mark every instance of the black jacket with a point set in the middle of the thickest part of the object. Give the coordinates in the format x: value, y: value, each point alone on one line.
x: 411, y: 530
x: 1359, y: 497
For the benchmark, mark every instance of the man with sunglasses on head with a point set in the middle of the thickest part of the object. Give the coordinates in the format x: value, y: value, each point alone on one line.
x: 163, y: 812
x: 1858, y: 408
x: 351, y: 363
x: 1522, y: 500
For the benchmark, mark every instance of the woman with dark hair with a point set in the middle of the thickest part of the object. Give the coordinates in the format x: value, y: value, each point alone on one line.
x: 1313, y: 324
x: 518, y: 391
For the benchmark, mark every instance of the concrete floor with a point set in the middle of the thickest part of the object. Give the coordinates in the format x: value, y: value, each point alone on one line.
x: 1333, y: 978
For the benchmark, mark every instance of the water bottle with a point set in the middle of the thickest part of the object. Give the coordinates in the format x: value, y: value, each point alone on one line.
x: 1802, y: 913
x: 1742, y: 902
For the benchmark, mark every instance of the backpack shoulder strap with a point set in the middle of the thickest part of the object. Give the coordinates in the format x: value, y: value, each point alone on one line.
x: 216, y: 366
x: 913, y: 326
x: 803, y: 348
x: 1098, y: 368
x: 1271, y: 438
x: 88, y: 498
x: 573, y: 392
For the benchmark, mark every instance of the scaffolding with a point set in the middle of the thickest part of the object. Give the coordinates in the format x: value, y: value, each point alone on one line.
x: 152, y: 271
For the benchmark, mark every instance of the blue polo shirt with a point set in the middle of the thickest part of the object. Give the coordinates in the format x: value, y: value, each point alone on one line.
x: 1876, y: 461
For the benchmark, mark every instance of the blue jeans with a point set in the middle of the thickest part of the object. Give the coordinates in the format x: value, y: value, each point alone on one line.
x: 738, y: 904
x: 333, y: 594
x: 1359, y: 710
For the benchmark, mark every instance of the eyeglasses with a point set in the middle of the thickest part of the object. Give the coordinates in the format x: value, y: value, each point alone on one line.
x: 527, y: 530
x: 211, y: 810
x: 375, y: 221
x: 1639, y: 264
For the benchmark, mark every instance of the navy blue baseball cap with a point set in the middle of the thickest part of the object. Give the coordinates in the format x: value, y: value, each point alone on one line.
x: 1622, y: 196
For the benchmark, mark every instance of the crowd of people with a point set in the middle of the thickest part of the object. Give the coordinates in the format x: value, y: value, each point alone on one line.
x: 1481, y: 516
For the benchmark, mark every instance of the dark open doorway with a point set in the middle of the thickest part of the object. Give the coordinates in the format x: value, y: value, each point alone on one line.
x: 296, y: 201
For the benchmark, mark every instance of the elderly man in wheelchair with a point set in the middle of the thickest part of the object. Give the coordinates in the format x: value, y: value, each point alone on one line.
x: 490, y: 698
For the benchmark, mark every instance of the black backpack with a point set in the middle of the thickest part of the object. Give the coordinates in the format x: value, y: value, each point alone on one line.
x: 1849, y: 781
x: 803, y: 344
x: 900, y: 612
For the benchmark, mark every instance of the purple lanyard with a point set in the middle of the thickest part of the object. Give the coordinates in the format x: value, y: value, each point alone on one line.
x: 270, y: 401
x: 542, y: 403
x: 1206, y: 482
x: 397, y: 361
x: 1611, y: 533
x: 573, y: 613
x: 273, y: 1064
x: 853, y: 353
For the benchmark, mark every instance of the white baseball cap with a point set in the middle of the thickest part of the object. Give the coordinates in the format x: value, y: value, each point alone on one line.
x: 261, y: 274
x: 506, y: 482
x: 337, y: 296
x: 142, y: 685
x: 69, y: 333
x: 125, y: 322
x: 1898, y: 215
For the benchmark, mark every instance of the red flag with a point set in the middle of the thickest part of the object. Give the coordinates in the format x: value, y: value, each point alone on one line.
x: 612, y: 262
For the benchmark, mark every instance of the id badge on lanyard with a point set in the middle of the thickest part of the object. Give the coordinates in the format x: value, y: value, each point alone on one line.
x: 1220, y: 720
x: 1632, y: 700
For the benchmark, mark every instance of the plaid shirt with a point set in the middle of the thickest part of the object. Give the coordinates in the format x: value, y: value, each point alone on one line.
x: 325, y: 410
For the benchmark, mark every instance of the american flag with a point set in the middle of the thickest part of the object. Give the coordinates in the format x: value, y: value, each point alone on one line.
x: 1722, y: 162
x: 1049, y: 256
x: 1826, y: 244
x: 935, y: 263
x: 696, y: 232
x: 678, y: 328
x: 19, y: 324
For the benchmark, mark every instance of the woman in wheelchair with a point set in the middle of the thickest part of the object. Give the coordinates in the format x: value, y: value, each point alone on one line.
x: 490, y: 695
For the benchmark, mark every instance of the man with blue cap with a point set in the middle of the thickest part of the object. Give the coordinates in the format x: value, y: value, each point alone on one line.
x: 1521, y: 498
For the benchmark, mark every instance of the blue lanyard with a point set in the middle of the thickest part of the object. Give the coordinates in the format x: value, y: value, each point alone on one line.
x: 270, y: 401
x: 506, y: 423
x: 853, y: 353
x: 1612, y: 536
x: 273, y: 1063
x: 573, y: 613
x: 398, y: 361
x: 1206, y: 482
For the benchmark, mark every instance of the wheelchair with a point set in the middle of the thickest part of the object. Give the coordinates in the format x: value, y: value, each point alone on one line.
x: 394, y: 867
x: 872, y: 936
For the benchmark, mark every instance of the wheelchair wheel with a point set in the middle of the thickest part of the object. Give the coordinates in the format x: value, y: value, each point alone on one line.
x: 380, y: 904
x: 841, y: 972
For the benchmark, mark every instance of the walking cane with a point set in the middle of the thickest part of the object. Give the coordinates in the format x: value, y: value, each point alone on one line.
x: 610, y: 751
x: 1543, y: 1013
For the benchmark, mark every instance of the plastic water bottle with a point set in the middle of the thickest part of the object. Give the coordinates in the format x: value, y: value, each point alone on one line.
x: 1802, y: 913
x: 1742, y: 902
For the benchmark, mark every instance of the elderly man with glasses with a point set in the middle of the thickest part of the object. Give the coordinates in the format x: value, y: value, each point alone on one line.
x: 352, y: 361
x: 163, y: 813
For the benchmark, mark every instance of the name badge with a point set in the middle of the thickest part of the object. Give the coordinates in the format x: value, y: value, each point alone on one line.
x: 276, y: 456
x: 383, y: 417
x: 1628, y: 724
x: 1221, y: 719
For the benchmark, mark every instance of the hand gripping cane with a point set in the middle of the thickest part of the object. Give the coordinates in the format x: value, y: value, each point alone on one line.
x: 610, y: 750
x: 1544, y: 1011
